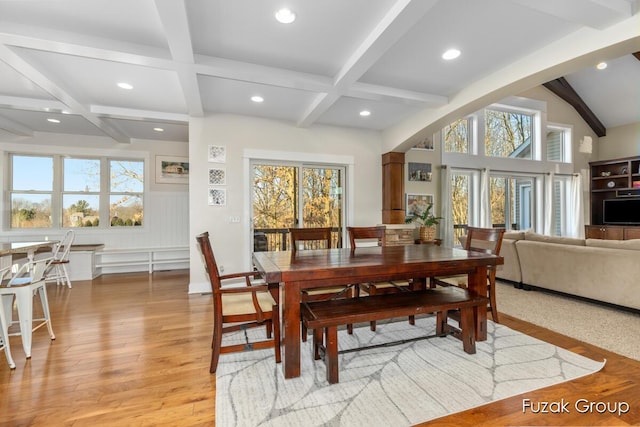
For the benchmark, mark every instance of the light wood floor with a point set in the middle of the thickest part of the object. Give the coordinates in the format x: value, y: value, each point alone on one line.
x: 134, y: 349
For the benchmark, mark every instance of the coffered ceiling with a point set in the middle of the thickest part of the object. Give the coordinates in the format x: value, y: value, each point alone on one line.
x: 62, y: 60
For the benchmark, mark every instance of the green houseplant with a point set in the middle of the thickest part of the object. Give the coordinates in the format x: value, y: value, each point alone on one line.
x: 427, y: 221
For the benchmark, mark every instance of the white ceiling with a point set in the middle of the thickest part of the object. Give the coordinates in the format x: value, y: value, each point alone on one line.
x: 187, y: 58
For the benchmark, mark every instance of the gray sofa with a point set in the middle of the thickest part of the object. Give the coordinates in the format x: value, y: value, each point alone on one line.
x: 601, y: 270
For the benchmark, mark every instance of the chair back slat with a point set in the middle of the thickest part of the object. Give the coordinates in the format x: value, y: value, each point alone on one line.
x: 485, y: 240
x: 65, y: 244
x: 313, y: 238
x: 210, y: 265
x: 367, y: 234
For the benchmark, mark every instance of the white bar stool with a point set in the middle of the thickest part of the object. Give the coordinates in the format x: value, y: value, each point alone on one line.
x: 22, y: 286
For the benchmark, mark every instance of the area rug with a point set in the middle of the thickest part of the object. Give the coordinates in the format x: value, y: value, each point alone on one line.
x: 399, y: 385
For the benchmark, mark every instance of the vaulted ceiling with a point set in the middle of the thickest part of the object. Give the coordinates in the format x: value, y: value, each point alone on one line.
x: 62, y: 59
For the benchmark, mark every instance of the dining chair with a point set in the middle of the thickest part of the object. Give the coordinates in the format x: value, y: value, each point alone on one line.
x: 25, y: 284
x: 362, y: 236
x: 58, y: 268
x: 4, y: 327
x: 485, y: 240
x: 239, y: 307
x: 317, y: 238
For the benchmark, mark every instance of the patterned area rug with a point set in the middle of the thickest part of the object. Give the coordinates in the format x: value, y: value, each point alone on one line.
x: 399, y: 385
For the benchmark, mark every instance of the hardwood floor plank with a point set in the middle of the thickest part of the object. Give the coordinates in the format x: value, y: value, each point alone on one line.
x: 134, y: 350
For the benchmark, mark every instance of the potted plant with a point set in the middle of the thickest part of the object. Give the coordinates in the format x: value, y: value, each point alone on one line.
x: 427, y: 222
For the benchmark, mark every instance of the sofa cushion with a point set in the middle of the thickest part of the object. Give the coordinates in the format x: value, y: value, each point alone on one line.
x: 633, y: 244
x: 513, y: 235
x: 535, y: 237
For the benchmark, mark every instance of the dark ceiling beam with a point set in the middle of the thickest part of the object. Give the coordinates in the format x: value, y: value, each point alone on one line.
x: 563, y: 89
x: 637, y: 55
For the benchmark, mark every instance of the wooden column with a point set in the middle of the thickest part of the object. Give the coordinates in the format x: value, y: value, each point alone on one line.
x: 393, y: 188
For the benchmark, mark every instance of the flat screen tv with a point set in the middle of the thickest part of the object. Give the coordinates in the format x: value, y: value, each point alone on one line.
x: 621, y: 211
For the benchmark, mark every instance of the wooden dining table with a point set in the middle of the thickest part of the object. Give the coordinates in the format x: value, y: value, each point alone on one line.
x: 329, y: 267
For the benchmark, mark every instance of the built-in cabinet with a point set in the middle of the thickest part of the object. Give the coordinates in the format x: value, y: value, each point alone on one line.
x: 393, y: 188
x: 612, y: 179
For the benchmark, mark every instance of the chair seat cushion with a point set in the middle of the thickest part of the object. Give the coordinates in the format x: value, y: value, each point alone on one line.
x: 234, y: 304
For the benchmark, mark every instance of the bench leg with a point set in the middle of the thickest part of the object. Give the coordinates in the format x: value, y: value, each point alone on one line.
x: 468, y: 330
x: 331, y: 356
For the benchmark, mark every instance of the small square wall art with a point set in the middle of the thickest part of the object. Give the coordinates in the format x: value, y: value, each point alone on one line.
x: 217, y: 197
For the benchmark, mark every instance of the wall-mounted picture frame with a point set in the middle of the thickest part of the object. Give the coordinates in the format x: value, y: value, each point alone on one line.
x: 217, y: 196
x: 217, y: 176
x: 172, y: 170
x: 417, y: 203
x: 217, y: 153
x: 419, y: 172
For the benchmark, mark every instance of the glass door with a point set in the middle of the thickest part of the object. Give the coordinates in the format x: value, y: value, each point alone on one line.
x: 295, y: 195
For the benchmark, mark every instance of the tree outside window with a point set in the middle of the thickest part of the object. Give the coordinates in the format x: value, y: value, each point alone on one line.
x: 508, y: 134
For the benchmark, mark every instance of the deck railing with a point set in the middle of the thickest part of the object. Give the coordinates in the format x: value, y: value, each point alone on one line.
x: 277, y: 239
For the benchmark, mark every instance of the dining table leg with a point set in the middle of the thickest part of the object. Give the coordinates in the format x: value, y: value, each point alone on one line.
x: 478, y: 287
x: 291, y: 315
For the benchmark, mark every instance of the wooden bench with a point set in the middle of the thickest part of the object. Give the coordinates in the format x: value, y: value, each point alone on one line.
x: 329, y: 314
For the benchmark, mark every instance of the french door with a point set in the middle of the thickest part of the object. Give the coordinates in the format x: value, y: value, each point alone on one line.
x: 289, y: 195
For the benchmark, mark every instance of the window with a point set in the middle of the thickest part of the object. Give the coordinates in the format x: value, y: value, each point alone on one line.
x: 558, y: 144
x: 81, y: 193
x: 31, y: 191
x: 460, y: 203
x: 561, y: 208
x: 126, y: 187
x: 508, y: 134
x: 456, y: 137
x: 511, y: 202
x: 59, y: 191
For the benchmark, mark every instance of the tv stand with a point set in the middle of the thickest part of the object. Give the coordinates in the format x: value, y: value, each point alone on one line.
x: 612, y: 232
x: 612, y: 179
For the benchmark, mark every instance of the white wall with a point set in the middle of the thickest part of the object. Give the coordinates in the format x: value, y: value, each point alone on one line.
x: 166, y: 210
x: 621, y: 141
x: 245, y: 135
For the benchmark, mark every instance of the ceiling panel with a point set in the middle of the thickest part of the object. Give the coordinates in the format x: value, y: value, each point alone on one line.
x: 232, y: 96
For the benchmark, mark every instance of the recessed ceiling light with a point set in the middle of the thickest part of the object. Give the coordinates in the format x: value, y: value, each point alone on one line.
x: 123, y: 85
x: 53, y: 120
x: 285, y: 16
x: 158, y: 129
x: 257, y: 98
x: 601, y: 66
x: 365, y: 113
x: 451, y: 54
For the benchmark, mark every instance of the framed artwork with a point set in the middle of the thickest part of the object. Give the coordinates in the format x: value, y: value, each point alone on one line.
x: 217, y: 153
x: 217, y: 176
x: 217, y: 196
x: 172, y: 170
x: 417, y: 203
x: 420, y: 172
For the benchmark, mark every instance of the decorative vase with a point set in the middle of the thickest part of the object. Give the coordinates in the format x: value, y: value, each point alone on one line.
x: 427, y: 233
